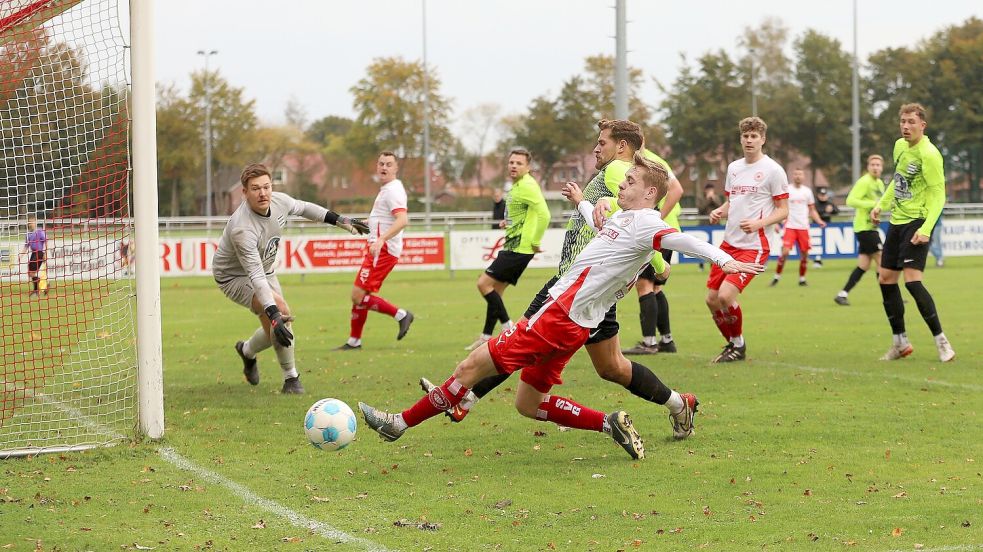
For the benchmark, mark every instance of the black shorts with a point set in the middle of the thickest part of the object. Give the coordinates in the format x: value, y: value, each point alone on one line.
x: 899, y: 253
x: 868, y: 242
x: 508, y: 266
x: 648, y: 273
x: 36, y: 260
x: 607, y: 329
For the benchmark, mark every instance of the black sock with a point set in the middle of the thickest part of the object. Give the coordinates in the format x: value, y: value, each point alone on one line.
x: 893, y: 307
x: 663, y: 313
x: 34, y: 282
x: 648, y: 314
x: 645, y: 384
x: 496, y: 311
x: 926, y: 306
x: 485, y: 386
x: 855, y: 277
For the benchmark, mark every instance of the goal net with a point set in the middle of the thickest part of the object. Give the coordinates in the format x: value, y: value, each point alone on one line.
x: 67, y: 324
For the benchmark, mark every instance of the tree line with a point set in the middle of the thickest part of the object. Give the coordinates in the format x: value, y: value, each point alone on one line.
x: 801, y: 86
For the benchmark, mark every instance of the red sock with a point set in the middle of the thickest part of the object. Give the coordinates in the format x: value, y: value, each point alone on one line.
x: 379, y: 305
x: 720, y: 319
x: 781, y: 265
x: 803, y: 263
x: 567, y: 413
x: 436, y: 401
x: 359, y: 314
x: 735, y: 320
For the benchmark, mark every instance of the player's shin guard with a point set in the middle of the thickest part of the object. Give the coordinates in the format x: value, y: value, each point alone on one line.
x: 926, y: 306
x: 645, y: 384
x: 648, y: 314
x: 259, y: 342
x: 854, y: 278
x: 893, y: 307
x: 380, y: 305
x: 663, y: 318
x: 496, y: 312
x: 436, y: 401
x: 565, y: 412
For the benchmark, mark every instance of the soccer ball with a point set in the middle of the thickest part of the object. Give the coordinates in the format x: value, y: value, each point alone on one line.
x: 330, y: 424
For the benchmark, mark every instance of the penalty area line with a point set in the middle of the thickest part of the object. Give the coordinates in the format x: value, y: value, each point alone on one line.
x: 249, y: 497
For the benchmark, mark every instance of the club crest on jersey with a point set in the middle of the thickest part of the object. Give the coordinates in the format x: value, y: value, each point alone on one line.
x: 624, y: 221
x: 271, y: 248
x: 759, y: 176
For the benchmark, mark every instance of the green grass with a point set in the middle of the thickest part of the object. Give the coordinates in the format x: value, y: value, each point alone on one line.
x: 810, y: 444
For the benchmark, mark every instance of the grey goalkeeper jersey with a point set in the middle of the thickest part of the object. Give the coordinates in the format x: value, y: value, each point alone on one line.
x: 250, y: 242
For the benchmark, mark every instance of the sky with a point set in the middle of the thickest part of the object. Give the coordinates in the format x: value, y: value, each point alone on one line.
x: 503, y: 51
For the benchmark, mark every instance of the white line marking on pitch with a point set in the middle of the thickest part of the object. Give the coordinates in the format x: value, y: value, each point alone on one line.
x: 253, y: 499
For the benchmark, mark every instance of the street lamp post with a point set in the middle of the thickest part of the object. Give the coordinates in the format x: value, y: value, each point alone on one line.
x: 208, y: 134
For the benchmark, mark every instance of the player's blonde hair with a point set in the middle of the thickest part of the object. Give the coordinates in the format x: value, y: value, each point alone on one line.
x: 874, y: 156
x: 253, y: 170
x: 652, y: 174
x: 916, y: 108
x: 753, y: 124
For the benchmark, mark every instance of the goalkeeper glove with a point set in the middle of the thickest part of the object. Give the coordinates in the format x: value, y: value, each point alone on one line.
x: 352, y: 225
x: 278, y: 327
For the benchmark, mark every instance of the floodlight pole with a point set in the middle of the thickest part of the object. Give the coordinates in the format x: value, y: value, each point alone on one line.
x: 855, y: 127
x: 426, y: 122
x: 150, y: 379
x: 620, y: 61
x: 208, y: 135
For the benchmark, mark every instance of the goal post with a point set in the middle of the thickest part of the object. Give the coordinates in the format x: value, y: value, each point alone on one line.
x: 80, y: 334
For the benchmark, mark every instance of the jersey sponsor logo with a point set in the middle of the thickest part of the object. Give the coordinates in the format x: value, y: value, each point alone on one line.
x: 902, y: 188
x: 744, y: 189
x: 609, y: 233
x: 271, y: 248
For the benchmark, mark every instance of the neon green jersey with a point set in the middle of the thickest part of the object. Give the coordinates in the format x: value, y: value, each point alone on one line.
x: 528, y: 216
x: 604, y: 184
x: 672, y: 219
x: 918, y: 188
x: 863, y: 197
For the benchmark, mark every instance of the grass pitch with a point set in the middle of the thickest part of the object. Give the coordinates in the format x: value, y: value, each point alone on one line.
x: 810, y: 444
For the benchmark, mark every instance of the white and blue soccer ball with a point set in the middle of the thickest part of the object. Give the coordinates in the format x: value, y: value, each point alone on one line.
x: 330, y: 424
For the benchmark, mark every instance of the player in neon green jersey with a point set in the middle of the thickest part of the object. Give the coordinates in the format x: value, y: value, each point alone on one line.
x: 863, y: 197
x: 653, y: 306
x: 915, y: 197
x: 526, y: 221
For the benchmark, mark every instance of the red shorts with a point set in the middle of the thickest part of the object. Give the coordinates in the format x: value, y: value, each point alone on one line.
x: 798, y: 237
x: 541, y: 350
x: 740, y: 280
x: 374, y: 270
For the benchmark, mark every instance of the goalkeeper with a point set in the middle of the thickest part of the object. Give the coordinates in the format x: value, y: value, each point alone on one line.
x: 243, y: 267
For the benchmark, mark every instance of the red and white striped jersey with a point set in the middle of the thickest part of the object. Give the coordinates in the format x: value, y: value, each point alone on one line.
x: 608, y: 266
x: 390, y: 201
x: 752, y: 191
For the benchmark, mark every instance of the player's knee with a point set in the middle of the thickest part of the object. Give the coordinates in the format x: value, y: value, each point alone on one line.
x: 613, y: 370
x: 357, y: 295
x: 527, y: 410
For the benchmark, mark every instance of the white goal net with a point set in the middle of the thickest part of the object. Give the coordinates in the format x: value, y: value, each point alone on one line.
x: 67, y: 329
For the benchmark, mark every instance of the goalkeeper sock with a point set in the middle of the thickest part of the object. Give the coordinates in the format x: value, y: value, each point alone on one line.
x: 259, y: 342
x: 285, y: 355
